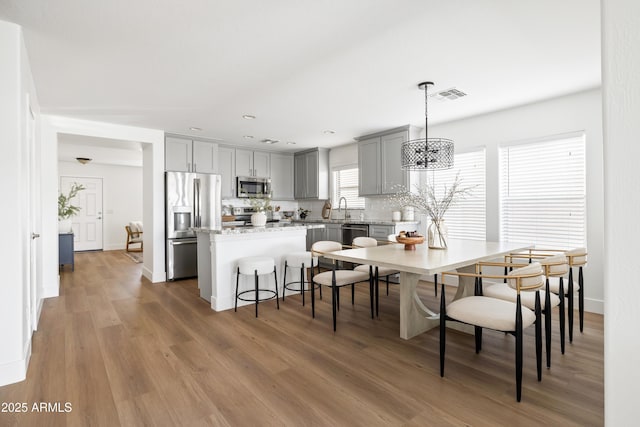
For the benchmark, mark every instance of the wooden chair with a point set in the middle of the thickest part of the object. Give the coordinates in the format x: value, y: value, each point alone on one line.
x: 335, y: 279
x: 500, y: 315
x: 133, y: 237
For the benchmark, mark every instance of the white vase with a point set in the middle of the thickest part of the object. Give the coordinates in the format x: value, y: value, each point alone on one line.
x: 65, y: 225
x: 437, y: 234
x: 258, y: 219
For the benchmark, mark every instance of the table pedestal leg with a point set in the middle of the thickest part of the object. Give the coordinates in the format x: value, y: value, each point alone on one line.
x: 415, y: 317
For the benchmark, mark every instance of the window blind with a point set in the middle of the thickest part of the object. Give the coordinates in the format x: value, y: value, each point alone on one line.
x: 345, y: 184
x: 543, y: 192
x: 467, y: 218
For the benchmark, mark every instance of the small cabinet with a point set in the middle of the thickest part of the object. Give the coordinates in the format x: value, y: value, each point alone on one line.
x: 311, y: 171
x: 65, y: 250
x: 380, y: 161
x: 381, y: 232
x: 315, y: 235
x: 226, y: 164
x: 281, y: 176
x: 188, y: 155
x: 252, y: 163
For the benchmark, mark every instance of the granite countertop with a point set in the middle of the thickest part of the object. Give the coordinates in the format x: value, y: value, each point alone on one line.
x: 354, y: 221
x: 270, y: 227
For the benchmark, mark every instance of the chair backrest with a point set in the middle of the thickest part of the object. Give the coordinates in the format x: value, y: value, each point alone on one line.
x: 556, y: 265
x: 135, y: 227
x: 365, y: 242
x: 577, y: 257
x: 326, y: 246
x: 527, y: 278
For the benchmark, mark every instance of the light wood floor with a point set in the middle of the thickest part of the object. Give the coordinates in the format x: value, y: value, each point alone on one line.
x: 127, y: 352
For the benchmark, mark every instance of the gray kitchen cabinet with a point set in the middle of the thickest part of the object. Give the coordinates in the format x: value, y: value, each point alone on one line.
x: 379, y: 161
x: 190, y: 155
x: 226, y: 168
x: 281, y: 176
x: 381, y: 232
x: 252, y: 163
x: 311, y: 171
x: 315, y: 235
x: 334, y: 232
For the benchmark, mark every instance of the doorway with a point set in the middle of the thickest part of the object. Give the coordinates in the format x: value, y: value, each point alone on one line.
x: 87, y: 224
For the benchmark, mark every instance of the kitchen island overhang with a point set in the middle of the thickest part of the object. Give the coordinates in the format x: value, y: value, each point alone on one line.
x: 220, y: 250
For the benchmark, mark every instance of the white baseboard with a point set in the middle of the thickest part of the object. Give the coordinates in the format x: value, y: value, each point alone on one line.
x: 591, y: 305
x: 16, y: 371
x: 114, y: 247
x: 38, y: 313
x: 154, y: 277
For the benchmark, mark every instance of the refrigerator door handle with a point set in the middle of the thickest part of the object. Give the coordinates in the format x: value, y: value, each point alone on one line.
x: 198, y: 218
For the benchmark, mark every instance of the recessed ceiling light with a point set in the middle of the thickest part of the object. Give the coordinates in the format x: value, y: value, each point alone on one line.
x: 328, y: 132
x: 248, y: 117
x: 195, y: 129
x: 248, y: 137
x: 291, y: 143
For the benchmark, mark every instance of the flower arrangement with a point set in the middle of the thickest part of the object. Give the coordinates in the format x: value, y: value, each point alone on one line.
x: 427, y: 200
x: 65, y: 209
x: 260, y: 204
x: 303, y: 212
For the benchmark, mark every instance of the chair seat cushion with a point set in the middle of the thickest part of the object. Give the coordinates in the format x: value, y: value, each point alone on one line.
x: 489, y: 313
x: 505, y: 292
x: 264, y: 265
x: 135, y: 240
x: 554, y: 285
x: 296, y: 259
x: 382, y: 271
x: 343, y: 277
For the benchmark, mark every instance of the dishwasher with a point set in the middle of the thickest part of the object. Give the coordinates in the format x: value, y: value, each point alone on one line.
x: 350, y: 232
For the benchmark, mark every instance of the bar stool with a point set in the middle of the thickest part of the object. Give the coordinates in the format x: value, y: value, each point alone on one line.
x: 256, y: 266
x: 301, y: 260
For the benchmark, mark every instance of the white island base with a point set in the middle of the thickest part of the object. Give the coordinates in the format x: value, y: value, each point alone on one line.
x: 218, y: 254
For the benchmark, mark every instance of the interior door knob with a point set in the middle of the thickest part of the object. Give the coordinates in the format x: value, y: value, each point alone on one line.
x: 34, y: 235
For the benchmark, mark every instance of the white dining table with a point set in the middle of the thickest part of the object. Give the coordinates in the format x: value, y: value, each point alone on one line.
x: 460, y: 255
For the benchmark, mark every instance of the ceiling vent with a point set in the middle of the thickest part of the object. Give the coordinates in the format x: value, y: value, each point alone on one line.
x: 448, y: 94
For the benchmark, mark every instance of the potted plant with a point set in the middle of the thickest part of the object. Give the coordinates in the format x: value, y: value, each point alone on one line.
x: 260, y: 205
x: 427, y: 200
x: 66, y: 210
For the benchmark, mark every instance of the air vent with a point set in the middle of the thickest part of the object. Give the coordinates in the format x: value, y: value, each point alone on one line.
x: 448, y: 95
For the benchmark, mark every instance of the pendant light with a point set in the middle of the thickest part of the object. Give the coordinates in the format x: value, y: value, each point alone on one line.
x: 427, y: 153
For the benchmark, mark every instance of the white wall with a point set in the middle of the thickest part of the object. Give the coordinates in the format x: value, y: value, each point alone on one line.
x: 16, y: 87
x: 121, y: 195
x: 621, y: 100
x: 577, y: 112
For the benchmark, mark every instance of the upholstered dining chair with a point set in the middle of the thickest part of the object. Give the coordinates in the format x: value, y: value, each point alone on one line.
x: 336, y: 278
x: 497, y: 314
x: 553, y: 266
x: 373, y: 270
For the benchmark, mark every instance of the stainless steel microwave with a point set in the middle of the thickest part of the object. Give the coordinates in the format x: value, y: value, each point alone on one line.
x: 250, y: 186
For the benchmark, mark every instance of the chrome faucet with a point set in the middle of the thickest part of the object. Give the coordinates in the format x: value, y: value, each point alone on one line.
x: 346, y: 212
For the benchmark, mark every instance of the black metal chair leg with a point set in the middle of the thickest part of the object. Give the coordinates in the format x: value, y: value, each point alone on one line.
x: 478, y: 336
x: 318, y: 267
x: 547, y: 322
x: 387, y: 280
x: 581, y: 298
x: 255, y: 273
x: 570, y: 305
x: 333, y: 299
x: 284, y: 286
x: 518, y: 349
x: 538, y: 312
x: 302, y: 283
x: 443, y: 330
x: 275, y: 278
x: 371, y: 289
x: 353, y: 294
x: 561, y: 316
x: 377, y: 290
x: 237, y: 280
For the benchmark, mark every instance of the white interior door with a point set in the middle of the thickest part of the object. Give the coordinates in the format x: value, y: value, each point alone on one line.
x: 87, y: 224
x: 35, y: 217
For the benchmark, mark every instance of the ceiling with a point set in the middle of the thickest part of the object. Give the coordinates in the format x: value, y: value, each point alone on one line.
x: 301, y: 67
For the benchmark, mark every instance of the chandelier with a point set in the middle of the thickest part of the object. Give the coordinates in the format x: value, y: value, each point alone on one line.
x: 427, y: 153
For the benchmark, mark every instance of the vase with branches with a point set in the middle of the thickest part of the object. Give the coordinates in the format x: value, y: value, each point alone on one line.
x: 434, y: 202
x: 65, y: 209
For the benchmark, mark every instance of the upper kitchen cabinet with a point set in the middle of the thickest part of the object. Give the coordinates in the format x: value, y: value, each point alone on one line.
x: 281, y: 176
x: 311, y: 172
x: 188, y: 155
x: 379, y: 161
x: 227, y: 166
x: 252, y: 163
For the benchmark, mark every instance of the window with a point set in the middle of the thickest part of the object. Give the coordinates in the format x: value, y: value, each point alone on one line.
x: 345, y: 184
x: 467, y: 218
x: 543, y: 192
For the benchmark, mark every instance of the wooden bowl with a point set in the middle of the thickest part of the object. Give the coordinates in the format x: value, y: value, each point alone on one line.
x: 410, y: 242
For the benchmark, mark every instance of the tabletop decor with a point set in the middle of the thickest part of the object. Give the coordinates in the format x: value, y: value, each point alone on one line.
x: 260, y: 205
x: 429, y: 200
x: 410, y: 239
x: 66, y: 210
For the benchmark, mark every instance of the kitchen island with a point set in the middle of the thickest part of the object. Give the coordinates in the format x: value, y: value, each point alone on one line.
x: 219, y: 251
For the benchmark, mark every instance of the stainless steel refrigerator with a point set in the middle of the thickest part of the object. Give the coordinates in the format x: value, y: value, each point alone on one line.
x: 191, y: 200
